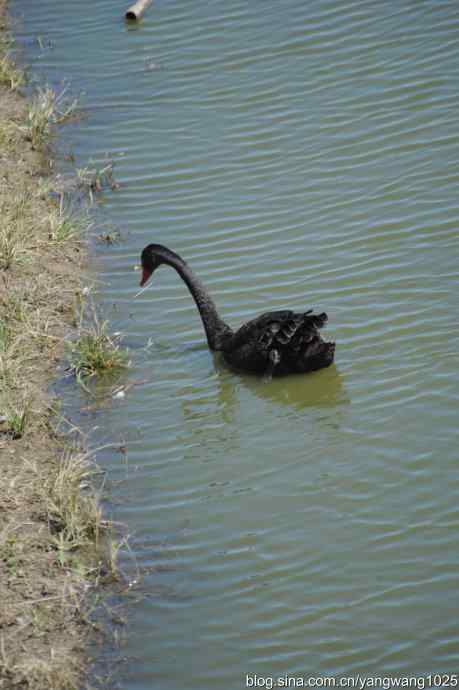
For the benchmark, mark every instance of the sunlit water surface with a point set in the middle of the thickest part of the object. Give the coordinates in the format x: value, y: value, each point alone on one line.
x: 298, y: 155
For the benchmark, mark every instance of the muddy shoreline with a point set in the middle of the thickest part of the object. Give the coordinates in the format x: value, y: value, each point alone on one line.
x: 50, y: 525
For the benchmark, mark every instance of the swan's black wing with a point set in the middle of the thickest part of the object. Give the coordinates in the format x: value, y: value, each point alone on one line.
x: 280, y: 342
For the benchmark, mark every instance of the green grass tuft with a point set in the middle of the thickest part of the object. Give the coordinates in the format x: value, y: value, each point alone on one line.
x: 96, y: 352
x: 67, y: 224
x: 10, y: 74
x: 46, y: 110
x: 16, y: 420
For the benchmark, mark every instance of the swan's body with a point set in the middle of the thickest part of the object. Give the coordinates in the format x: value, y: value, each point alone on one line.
x: 279, y: 342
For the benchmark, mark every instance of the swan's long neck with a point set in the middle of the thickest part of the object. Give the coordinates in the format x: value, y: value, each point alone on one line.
x: 216, y: 329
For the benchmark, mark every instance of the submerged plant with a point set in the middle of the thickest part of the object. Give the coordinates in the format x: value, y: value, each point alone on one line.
x: 94, y: 180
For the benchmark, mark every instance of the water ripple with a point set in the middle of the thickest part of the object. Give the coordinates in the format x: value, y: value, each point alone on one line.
x: 297, y: 156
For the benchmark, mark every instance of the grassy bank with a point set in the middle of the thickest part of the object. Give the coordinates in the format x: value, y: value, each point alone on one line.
x: 50, y: 524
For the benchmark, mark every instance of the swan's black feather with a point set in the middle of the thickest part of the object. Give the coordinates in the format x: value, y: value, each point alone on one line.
x: 279, y: 343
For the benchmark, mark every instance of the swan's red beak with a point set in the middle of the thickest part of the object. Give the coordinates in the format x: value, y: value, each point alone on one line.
x: 146, y: 273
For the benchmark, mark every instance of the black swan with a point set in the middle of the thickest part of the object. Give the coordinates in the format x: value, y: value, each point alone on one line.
x: 275, y: 343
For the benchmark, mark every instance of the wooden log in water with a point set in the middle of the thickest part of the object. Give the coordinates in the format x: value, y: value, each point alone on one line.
x: 137, y: 9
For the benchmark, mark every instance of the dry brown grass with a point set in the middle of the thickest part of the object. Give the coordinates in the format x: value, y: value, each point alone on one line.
x: 51, y: 525
x: 41, y: 673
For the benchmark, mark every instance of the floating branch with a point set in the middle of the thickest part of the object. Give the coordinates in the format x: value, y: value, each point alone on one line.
x: 136, y: 11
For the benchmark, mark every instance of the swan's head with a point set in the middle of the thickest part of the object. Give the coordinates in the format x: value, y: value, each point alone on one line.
x: 150, y: 262
x: 153, y: 256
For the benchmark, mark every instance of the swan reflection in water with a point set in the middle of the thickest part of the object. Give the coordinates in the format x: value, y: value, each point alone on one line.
x: 320, y: 389
x: 226, y: 414
x: 219, y: 399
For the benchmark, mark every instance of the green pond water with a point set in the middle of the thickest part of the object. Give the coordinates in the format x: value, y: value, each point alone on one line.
x: 297, y: 155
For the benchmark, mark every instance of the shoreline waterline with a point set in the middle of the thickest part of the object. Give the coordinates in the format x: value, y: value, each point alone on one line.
x: 53, y: 536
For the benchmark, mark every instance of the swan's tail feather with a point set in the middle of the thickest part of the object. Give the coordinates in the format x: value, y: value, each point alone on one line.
x: 320, y: 356
x: 318, y: 320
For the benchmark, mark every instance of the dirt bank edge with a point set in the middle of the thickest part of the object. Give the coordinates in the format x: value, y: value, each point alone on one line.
x: 48, y: 523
